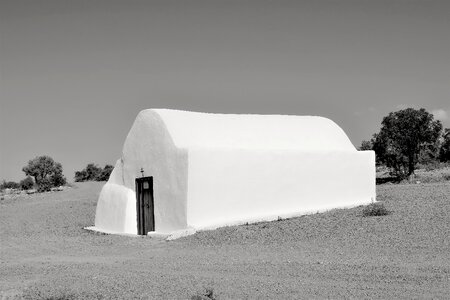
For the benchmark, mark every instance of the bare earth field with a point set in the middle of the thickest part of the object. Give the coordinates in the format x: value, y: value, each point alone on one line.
x: 46, y: 253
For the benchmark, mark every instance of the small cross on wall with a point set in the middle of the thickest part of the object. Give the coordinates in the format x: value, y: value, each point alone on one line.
x: 142, y: 172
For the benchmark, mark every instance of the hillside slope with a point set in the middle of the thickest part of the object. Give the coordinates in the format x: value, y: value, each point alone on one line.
x: 45, y: 252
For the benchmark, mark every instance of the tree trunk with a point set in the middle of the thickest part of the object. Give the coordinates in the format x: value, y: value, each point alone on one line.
x: 411, y: 164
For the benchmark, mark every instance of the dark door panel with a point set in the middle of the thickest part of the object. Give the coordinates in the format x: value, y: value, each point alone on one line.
x: 145, y: 205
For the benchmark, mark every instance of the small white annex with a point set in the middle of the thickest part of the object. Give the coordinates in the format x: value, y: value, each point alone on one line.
x: 212, y: 170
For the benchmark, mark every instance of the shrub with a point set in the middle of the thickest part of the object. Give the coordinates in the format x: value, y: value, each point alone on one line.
x: 207, y: 295
x: 57, y: 180
x: 9, y: 185
x: 375, y: 210
x: 45, y: 185
x: 105, y: 173
x: 80, y: 176
x: 93, y: 172
x: 27, y: 183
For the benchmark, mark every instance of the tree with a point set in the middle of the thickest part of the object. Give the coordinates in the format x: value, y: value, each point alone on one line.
x: 80, y: 176
x: 366, y: 145
x: 402, y: 136
x: 88, y: 174
x: 46, y: 172
x: 105, y: 173
x: 27, y: 183
x: 9, y: 185
x: 93, y: 172
x: 444, y: 152
x: 57, y: 178
x: 370, y: 145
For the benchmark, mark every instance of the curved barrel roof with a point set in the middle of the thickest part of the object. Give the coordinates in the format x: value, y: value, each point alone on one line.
x: 251, y: 131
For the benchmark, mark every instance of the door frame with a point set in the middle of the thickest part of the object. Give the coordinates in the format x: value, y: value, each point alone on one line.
x: 145, y: 205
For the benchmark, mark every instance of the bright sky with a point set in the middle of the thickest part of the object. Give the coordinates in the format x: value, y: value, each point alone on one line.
x: 74, y: 74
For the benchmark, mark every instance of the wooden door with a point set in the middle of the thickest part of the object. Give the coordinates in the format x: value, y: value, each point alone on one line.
x: 144, y: 205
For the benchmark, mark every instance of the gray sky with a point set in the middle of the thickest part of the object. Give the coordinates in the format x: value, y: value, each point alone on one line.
x: 74, y: 74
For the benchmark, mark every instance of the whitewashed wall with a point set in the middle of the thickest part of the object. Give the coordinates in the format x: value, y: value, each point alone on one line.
x: 235, y: 186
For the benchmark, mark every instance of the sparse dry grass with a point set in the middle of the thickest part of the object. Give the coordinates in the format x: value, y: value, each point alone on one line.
x: 424, y: 174
x: 435, y: 175
x: 340, y: 254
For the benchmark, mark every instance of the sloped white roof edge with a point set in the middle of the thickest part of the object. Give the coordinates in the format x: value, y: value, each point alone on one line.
x: 251, y: 131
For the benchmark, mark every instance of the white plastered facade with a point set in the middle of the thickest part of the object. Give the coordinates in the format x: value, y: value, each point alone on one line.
x: 212, y: 170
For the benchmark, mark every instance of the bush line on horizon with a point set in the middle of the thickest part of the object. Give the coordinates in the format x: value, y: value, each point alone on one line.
x: 408, y: 139
x: 48, y: 175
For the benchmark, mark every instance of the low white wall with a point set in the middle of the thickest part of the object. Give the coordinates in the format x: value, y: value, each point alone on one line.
x: 116, y: 210
x: 232, y: 186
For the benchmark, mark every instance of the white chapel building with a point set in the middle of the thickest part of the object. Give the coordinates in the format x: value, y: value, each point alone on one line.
x: 184, y: 170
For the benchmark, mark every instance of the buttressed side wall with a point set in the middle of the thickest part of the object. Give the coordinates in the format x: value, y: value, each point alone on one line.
x: 211, y: 170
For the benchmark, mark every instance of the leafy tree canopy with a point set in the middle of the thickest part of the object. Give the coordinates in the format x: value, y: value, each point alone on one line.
x: 444, y: 153
x: 27, y: 183
x: 403, y: 135
x: 93, y: 172
x: 9, y: 185
x: 46, y: 172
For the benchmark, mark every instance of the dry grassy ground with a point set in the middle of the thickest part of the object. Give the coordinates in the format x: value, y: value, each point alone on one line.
x: 45, y: 253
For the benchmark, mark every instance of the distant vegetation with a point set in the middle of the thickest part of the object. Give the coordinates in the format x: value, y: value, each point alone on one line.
x: 46, y: 173
x: 27, y: 183
x: 408, y: 138
x: 92, y: 172
x: 444, y: 152
x: 43, y: 174
x: 9, y: 185
x: 208, y: 294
